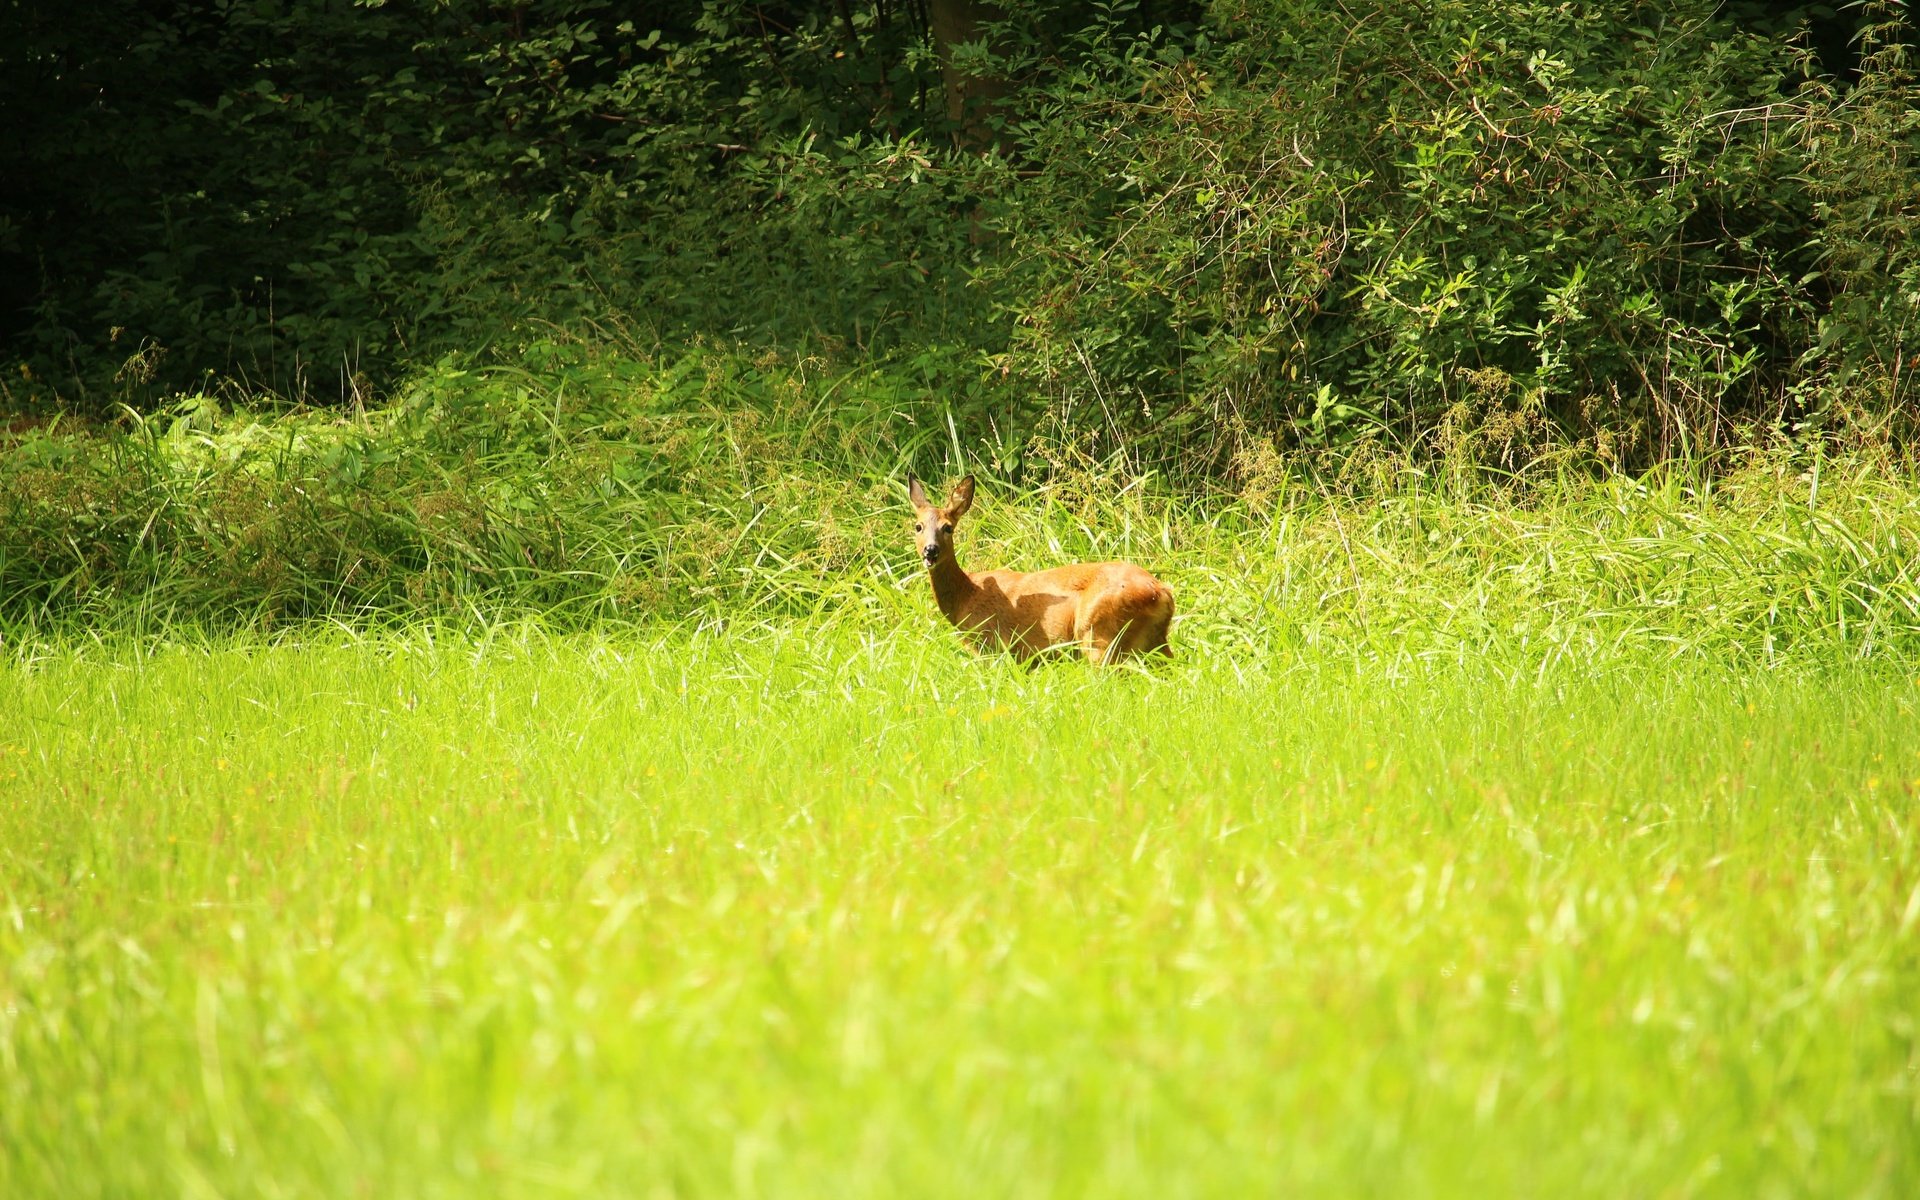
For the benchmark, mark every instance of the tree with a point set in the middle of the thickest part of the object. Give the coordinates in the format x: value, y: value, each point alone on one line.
x: 973, y: 93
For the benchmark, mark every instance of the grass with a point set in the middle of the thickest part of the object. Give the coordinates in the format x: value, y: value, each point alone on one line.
x: 793, y: 907
x: 587, y: 486
x: 557, y: 782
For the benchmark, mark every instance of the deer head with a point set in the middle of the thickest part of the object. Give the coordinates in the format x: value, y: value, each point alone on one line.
x: 933, y: 524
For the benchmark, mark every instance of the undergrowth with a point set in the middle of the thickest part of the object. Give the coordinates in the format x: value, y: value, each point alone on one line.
x: 588, y: 485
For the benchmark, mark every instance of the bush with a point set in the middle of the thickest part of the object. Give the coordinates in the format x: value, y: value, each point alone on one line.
x: 1490, y: 234
x: 1473, y: 229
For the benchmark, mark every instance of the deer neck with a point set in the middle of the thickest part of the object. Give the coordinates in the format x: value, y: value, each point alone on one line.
x: 951, y: 585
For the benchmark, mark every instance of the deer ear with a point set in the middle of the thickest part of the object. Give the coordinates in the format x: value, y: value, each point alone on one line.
x: 961, y: 500
x: 916, y: 493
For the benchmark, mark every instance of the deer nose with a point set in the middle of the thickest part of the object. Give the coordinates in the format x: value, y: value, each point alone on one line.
x: 931, y: 554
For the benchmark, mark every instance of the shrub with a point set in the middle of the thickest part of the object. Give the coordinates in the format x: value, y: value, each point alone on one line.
x: 1452, y: 223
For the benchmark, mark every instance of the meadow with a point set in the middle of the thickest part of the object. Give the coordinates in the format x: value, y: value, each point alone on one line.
x: 473, y: 724
x: 1558, y: 847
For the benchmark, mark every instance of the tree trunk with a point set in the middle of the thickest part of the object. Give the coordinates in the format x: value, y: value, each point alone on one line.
x: 971, y: 99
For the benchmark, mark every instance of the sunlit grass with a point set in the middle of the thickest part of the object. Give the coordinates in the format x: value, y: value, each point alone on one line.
x: 794, y: 909
x: 624, y: 489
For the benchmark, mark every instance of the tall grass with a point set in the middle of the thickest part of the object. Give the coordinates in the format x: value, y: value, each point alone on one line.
x: 810, y: 909
x: 591, y: 487
x: 558, y: 782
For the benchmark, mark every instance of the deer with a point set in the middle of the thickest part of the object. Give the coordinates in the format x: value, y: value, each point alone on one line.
x: 1109, y: 610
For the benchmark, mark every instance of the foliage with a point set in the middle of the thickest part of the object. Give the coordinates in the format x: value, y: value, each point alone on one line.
x: 593, y: 486
x: 1863, y: 149
x: 1477, y: 233
x: 1516, y: 225
x: 311, y: 196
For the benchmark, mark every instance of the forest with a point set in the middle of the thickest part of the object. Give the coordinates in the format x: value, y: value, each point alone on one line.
x: 475, y: 718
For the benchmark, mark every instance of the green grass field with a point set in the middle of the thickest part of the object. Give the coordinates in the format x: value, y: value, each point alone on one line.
x: 809, y: 908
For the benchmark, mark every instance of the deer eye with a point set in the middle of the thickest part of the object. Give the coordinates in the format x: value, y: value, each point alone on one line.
x: 946, y: 529
x: 917, y: 527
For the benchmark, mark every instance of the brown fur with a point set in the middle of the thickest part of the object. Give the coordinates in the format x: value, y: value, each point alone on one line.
x: 1110, y: 610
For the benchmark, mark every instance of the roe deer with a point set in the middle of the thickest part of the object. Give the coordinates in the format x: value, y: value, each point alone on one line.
x: 1109, y: 610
